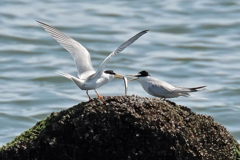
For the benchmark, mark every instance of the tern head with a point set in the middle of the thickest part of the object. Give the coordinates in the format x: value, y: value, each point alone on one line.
x: 140, y: 74
x: 111, y: 74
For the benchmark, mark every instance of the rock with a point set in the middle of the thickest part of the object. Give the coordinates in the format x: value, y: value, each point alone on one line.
x: 124, y: 127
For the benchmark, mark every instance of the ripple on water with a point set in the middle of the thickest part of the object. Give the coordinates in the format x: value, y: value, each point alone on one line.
x: 189, y: 44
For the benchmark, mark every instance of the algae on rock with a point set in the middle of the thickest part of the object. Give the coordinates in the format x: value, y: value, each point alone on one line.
x: 124, y: 127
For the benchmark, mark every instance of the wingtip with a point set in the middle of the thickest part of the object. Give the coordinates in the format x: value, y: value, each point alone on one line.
x: 146, y: 30
x: 41, y: 23
x: 201, y: 88
x: 38, y: 21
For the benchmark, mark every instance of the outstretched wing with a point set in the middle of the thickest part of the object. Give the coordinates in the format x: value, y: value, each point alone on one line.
x: 79, y: 53
x: 118, y: 50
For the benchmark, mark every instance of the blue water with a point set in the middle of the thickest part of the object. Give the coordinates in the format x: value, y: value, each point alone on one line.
x: 190, y: 43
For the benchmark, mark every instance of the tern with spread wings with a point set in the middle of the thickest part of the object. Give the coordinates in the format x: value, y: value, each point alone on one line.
x: 88, y: 78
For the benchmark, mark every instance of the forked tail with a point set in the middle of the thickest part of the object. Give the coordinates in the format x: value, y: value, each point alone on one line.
x: 77, y: 81
x: 195, y: 89
x: 66, y: 75
x: 186, y: 90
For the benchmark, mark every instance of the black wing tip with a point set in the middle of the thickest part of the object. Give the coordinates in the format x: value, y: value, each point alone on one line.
x: 39, y: 22
x: 42, y: 24
x: 200, y: 88
x: 145, y: 31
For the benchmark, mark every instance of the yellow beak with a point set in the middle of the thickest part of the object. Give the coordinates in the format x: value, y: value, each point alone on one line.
x: 132, y: 79
x: 119, y: 76
x: 132, y: 76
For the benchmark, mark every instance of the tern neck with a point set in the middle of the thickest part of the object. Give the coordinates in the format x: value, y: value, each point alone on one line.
x: 142, y: 79
x: 108, y: 77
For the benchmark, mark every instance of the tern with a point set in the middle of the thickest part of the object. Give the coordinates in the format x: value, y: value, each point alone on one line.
x: 162, y: 89
x: 88, y: 78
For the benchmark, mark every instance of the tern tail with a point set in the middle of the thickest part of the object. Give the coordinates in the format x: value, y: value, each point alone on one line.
x: 77, y: 81
x: 194, y: 89
x: 66, y: 75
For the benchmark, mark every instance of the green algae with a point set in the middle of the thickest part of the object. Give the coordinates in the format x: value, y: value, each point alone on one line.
x: 237, y: 152
x: 27, y: 136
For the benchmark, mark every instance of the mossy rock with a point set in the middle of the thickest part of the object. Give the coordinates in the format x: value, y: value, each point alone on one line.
x: 125, y: 127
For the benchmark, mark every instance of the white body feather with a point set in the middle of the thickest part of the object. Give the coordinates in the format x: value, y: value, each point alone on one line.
x: 163, y: 89
x: 88, y: 78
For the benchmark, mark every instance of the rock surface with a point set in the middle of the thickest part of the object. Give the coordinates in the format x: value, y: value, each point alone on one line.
x: 124, y: 127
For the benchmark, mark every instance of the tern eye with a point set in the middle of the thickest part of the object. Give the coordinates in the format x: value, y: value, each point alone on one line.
x: 109, y: 72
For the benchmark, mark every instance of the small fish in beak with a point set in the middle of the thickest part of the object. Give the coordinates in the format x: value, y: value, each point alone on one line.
x: 125, y: 84
x: 124, y: 79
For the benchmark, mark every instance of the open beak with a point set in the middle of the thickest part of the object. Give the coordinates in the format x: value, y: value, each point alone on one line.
x: 132, y: 76
x: 119, y: 76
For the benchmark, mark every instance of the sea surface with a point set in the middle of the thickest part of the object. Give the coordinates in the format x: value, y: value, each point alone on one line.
x: 190, y: 43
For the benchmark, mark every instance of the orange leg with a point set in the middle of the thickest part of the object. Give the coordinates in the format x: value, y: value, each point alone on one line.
x: 97, y: 94
x: 88, y: 95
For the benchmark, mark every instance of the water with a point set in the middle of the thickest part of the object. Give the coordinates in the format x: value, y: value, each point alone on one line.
x: 190, y: 43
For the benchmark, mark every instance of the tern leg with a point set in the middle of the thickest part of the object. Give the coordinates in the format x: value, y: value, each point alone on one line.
x: 97, y: 94
x: 88, y: 95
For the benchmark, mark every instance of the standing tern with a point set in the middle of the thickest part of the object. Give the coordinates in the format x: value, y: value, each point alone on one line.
x: 162, y: 89
x: 88, y: 78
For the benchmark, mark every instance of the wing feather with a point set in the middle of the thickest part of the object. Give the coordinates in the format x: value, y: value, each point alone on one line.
x: 160, y: 87
x: 79, y: 53
x: 118, y: 50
